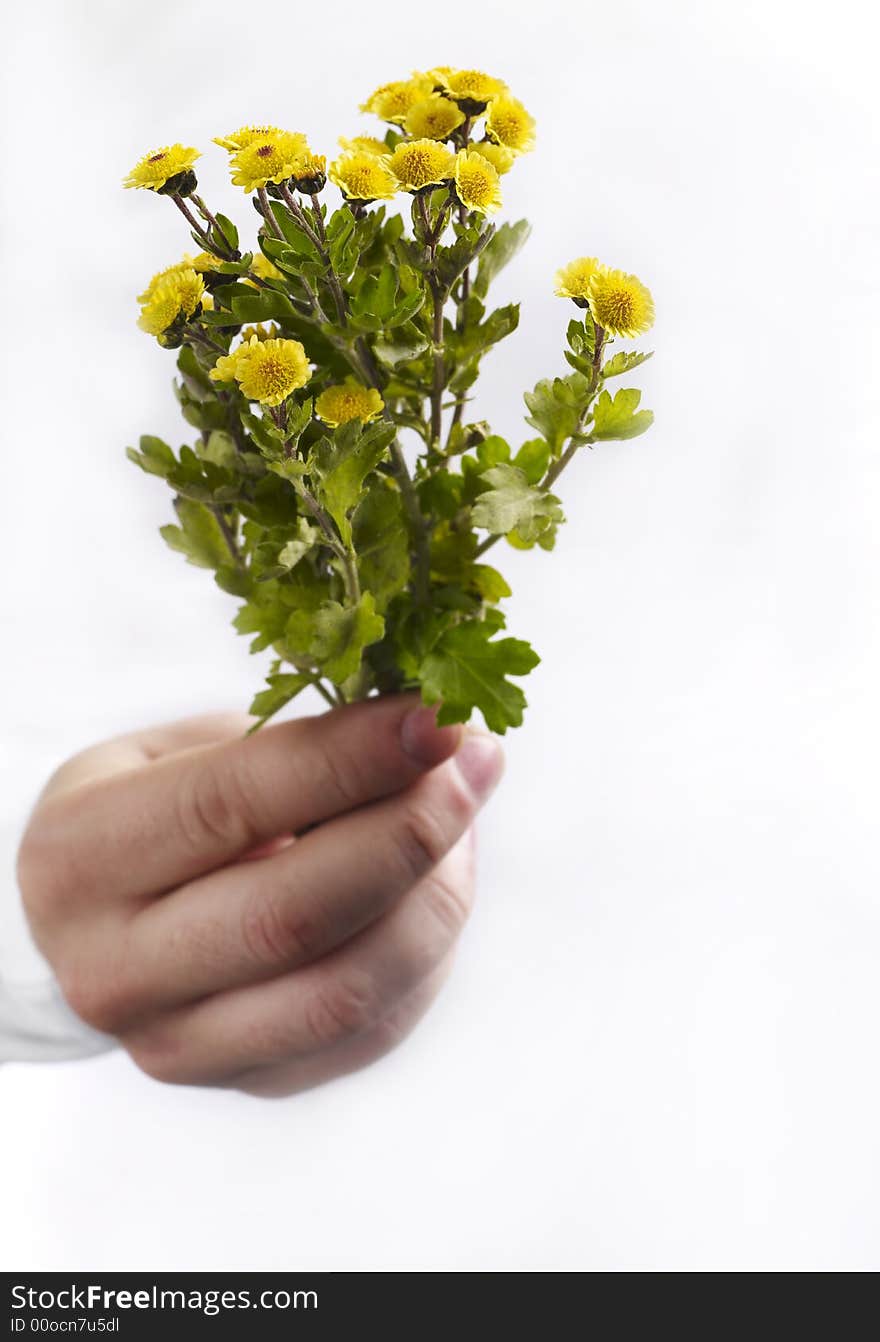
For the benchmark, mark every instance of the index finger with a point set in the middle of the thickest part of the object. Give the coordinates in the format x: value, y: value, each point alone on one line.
x: 146, y: 830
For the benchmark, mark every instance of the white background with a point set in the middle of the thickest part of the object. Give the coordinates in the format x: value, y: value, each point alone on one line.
x: 659, y: 1048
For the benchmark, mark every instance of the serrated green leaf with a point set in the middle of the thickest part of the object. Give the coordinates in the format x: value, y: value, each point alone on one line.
x: 299, y: 545
x: 499, y: 251
x: 283, y: 686
x: 512, y: 504
x: 199, y: 536
x: 468, y: 669
x: 407, y: 342
x: 152, y: 455
x: 339, y: 467
x: 623, y: 361
x: 335, y: 636
x: 381, y: 542
x: 556, y: 407
x: 532, y: 459
x: 620, y: 417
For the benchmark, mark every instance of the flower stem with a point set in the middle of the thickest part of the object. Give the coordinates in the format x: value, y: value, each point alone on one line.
x: 269, y: 214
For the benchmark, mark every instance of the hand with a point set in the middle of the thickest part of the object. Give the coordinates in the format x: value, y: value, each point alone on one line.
x: 264, y: 912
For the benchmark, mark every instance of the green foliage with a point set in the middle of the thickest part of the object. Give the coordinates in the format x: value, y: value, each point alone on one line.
x: 620, y: 417
x: 357, y: 553
x: 467, y: 668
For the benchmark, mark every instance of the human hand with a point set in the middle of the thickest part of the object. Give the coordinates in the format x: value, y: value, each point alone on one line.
x: 262, y: 912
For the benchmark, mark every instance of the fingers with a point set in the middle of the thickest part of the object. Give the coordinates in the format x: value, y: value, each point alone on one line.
x: 136, y: 749
x: 290, y: 1078
x: 264, y: 918
x: 322, y: 1007
x: 146, y: 830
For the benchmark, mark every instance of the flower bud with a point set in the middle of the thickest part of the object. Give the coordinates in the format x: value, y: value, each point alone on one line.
x: 181, y: 184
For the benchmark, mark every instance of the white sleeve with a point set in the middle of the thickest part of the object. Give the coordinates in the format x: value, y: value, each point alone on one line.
x: 36, y: 1024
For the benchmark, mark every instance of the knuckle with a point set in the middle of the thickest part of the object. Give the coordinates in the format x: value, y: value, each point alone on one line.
x: 44, y: 876
x: 106, y: 1001
x: 160, y: 1064
x: 448, y: 902
x: 277, y: 931
x: 340, y: 1009
x: 339, y: 776
x: 215, y: 804
x: 431, y: 823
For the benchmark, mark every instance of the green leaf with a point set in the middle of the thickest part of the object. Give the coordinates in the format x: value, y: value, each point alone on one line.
x: 581, y: 337
x: 340, y: 465
x: 407, y: 342
x: 219, y: 449
x: 493, y: 450
x: 335, y: 636
x: 283, y: 687
x: 556, y: 407
x: 468, y: 669
x: 533, y: 458
x: 381, y: 542
x: 623, y: 361
x: 199, y: 536
x: 620, y: 417
x: 152, y: 455
x: 299, y: 545
x: 477, y: 338
x: 502, y: 248
x: 489, y: 583
x: 453, y: 261
x: 512, y: 504
x: 227, y: 231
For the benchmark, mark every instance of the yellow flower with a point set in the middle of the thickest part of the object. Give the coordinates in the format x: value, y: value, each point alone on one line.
x: 363, y: 176
x: 177, y: 269
x: 310, y: 171
x: 502, y: 159
x: 245, y: 135
x: 260, y: 332
x: 264, y: 268
x: 574, y: 280
x: 348, y: 400
x: 418, y: 163
x: 266, y: 370
x: 207, y: 302
x: 509, y: 123
x: 205, y: 261
x: 392, y: 101
x: 155, y: 169
x: 620, y: 303
x: 470, y: 86
x: 268, y: 158
x: 169, y: 295
x: 368, y: 144
x: 476, y: 182
x: 434, y: 118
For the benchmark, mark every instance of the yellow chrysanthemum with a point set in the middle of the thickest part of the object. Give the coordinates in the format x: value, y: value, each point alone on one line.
x: 419, y: 163
x: 434, y: 118
x: 363, y: 176
x: 245, y: 135
x: 574, y: 280
x: 476, y: 182
x: 470, y: 86
x: 259, y: 332
x: 264, y: 268
x: 177, y: 269
x: 392, y: 101
x: 310, y: 169
x: 368, y: 144
x: 502, y: 159
x: 346, y: 401
x: 204, y: 261
x: 155, y: 169
x: 509, y: 123
x: 620, y: 303
x: 266, y: 370
x: 269, y: 158
x: 178, y: 291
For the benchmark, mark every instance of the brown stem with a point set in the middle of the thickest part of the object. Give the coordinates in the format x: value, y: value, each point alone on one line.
x: 268, y: 214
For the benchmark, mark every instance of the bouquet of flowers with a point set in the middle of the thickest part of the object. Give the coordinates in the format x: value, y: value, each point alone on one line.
x: 338, y: 485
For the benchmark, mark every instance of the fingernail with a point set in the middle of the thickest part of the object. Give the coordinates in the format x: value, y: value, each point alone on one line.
x: 480, y: 762
x: 423, y: 740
